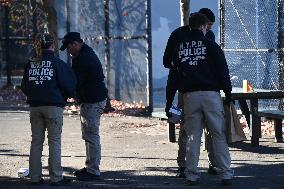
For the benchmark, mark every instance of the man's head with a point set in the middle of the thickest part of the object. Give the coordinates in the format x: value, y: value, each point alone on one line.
x: 198, y: 21
x: 210, y: 15
x: 73, y: 42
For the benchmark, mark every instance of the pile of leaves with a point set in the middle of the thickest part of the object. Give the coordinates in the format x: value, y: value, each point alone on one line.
x: 267, y: 126
x: 12, y: 95
x: 127, y: 109
x: 119, y: 109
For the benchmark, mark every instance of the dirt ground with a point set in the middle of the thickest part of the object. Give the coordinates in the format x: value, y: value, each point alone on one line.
x: 135, y: 154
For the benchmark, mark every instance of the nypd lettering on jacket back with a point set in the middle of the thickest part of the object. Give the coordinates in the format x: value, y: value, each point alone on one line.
x: 40, y: 72
x: 191, y: 52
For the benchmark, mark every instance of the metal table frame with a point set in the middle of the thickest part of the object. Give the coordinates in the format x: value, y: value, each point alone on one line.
x: 252, y: 113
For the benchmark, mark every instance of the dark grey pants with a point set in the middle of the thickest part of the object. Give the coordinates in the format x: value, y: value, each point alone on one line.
x: 90, y: 126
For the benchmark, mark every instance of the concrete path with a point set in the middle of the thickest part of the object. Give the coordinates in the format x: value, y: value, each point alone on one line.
x: 135, y: 154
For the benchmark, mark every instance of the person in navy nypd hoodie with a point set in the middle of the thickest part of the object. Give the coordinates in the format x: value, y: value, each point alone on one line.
x: 173, y: 86
x: 202, y: 73
x: 47, y: 82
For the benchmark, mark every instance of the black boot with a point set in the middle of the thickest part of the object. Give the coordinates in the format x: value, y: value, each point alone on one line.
x: 180, y: 172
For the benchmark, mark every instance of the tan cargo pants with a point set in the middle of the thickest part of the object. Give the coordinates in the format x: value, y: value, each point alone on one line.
x: 182, y: 140
x: 200, y: 108
x: 48, y: 118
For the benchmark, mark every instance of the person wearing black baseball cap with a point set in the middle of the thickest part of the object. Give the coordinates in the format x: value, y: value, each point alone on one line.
x: 91, y: 95
x: 70, y: 38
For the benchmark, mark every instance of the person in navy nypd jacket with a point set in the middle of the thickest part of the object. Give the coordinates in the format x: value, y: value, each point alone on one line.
x: 91, y: 95
x: 47, y: 82
x: 202, y: 73
x: 173, y: 86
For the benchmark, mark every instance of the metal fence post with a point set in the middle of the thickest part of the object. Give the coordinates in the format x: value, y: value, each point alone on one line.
x: 149, y: 58
x: 222, y: 23
x: 8, y: 63
x: 107, y: 43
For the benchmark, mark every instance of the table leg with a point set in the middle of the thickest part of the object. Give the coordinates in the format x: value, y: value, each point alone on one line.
x: 278, y: 130
x: 171, y: 132
x: 245, y: 110
x: 255, y: 123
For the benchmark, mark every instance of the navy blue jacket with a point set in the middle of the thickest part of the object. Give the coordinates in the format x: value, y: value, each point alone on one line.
x: 48, y: 83
x: 175, y: 38
x: 201, y: 65
x: 88, y: 69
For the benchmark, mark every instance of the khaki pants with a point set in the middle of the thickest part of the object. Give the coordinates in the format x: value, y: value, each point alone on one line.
x: 182, y: 140
x: 182, y: 137
x: 48, y: 118
x: 201, y: 108
x: 90, y: 126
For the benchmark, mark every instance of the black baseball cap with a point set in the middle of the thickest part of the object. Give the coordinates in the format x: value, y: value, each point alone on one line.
x: 208, y: 13
x: 69, y: 38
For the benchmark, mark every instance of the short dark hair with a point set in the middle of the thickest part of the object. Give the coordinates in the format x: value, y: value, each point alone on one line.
x: 208, y: 13
x: 196, y: 20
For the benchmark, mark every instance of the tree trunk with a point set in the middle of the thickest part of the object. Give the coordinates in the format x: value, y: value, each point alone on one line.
x: 48, y: 6
x: 184, y: 11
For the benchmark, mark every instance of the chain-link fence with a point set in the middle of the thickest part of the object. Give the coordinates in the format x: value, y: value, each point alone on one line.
x: 19, y: 21
x: 251, y: 34
x: 119, y: 32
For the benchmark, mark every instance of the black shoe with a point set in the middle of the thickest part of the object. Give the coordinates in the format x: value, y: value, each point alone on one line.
x: 212, y: 171
x: 86, y: 176
x: 83, y: 170
x: 226, y: 182
x: 61, y: 182
x: 192, y: 183
x: 180, y: 172
x: 41, y: 181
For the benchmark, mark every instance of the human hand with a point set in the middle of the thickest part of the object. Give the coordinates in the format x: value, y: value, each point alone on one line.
x: 167, y: 110
x: 229, y: 100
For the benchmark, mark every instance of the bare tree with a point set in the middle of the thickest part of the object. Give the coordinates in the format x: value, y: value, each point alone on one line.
x: 48, y: 6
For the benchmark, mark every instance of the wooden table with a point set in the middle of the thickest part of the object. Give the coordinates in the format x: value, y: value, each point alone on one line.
x: 251, y: 113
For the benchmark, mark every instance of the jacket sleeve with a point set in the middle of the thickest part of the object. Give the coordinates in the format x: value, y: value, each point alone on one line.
x: 168, y: 53
x: 66, y: 80
x: 24, y: 82
x: 223, y: 71
x: 172, y: 87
